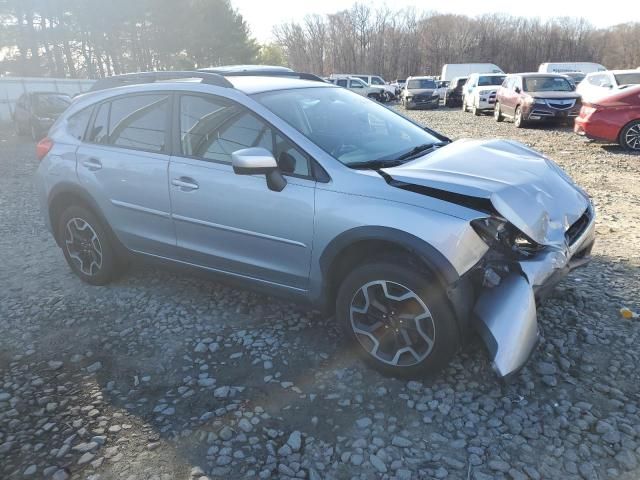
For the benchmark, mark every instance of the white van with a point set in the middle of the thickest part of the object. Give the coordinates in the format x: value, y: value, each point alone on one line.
x: 452, y: 70
x: 562, y: 67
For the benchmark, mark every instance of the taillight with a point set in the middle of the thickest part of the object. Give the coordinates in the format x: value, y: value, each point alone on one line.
x: 43, y: 147
x: 587, y: 110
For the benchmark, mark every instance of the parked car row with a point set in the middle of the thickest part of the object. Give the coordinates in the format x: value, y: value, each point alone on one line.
x: 605, y: 106
x: 604, y: 101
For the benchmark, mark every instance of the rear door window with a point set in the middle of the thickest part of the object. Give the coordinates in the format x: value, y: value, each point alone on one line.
x: 135, y: 121
x: 139, y: 122
x: 342, y: 83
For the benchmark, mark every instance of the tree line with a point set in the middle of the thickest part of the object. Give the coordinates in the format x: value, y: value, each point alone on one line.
x: 397, y: 43
x: 97, y: 38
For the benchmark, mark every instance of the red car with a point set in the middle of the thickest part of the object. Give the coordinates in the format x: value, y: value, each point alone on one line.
x: 615, y: 118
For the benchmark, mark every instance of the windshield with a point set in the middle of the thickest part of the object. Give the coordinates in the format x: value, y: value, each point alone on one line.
x: 546, y: 84
x: 350, y: 128
x: 420, y: 83
x: 627, y: 78
x: 490, y: 80
x: 50, y: 103
x: 377, y: 81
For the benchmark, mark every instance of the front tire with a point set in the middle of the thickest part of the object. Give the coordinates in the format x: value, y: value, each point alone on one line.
x: 464, y: 104
x: 630, y: 136
x: 518, y: 121
x: 397, y: 318
x: 475, y: 110
x: 87, y: 246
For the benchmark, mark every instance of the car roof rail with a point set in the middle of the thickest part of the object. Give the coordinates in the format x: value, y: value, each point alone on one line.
x: 208, y: 78
x: 261, y: 71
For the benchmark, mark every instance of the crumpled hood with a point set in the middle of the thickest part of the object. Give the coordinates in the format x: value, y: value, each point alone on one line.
x: 524, y: 187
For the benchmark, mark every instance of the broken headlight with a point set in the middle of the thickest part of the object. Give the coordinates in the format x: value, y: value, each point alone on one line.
x: 503, y: 237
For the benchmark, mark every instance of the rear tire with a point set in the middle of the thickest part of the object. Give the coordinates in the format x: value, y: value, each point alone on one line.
x: 464, y: 104
x: 423, y: 322
x: 87, y: 246
x: 630, y: 137
x: 497, y: 113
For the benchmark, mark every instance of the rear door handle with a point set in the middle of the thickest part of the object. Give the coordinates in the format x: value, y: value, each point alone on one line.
x: 92, y: 164
x: 185, y: 183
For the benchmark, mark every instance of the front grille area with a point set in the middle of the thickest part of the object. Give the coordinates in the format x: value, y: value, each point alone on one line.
x: 561, y: 104
x: 574, y: 231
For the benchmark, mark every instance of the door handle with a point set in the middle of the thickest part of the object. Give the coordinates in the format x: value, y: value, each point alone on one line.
x: 92, y: 164
x: 185, y: 183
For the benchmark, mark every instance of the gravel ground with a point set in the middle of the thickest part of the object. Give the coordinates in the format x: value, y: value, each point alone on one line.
x: 168, y: 375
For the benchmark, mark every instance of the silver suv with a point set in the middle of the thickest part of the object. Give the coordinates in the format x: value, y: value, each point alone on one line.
x: 300, y: 188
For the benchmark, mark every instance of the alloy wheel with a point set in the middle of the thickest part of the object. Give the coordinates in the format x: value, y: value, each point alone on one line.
x: 392, y: 323
x: 83, y: 245
x: 632, y: 137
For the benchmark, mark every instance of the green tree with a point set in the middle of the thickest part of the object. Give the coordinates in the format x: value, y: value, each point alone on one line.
x: 271, y: 54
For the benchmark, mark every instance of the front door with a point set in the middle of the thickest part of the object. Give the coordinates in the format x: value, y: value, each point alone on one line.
x: 234, y: 223
x: 124, y: 163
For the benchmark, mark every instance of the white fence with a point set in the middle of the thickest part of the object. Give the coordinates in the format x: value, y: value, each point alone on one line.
x: 12, y: 87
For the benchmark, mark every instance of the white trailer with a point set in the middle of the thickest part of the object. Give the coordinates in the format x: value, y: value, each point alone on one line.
x: 453, y: 70
x: 563, y: 67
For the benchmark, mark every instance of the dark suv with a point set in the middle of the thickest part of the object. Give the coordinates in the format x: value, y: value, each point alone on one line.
x: 453, y: 95
x: 532, y: 97
x: 35, y: 112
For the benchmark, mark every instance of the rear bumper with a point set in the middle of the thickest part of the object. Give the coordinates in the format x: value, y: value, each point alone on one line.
x: 597, y: 133
x: 505, y: 316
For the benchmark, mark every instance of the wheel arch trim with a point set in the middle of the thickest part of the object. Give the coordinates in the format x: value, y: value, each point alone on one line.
x: 70, y: 189
x: 432, y: 257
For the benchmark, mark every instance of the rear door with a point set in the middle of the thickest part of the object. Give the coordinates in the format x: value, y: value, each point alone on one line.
x: 235, y: 223
x: 124, y: 164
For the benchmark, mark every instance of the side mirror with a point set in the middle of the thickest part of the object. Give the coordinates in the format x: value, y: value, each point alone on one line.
x: 517, y: 90
x: 258, y: 161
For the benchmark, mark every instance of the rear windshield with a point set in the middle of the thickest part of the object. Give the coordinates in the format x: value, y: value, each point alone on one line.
x: 421, y: 83
x: 51, y: 103
x: 493, y: 80
x: 546, y: 84
x: 627, y: 78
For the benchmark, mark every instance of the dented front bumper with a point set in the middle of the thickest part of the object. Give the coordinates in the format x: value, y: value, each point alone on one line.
x: 505, y: 315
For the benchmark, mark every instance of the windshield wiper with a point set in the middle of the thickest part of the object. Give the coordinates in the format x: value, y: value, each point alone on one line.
x: 419, y: 150
x: 375, y: 164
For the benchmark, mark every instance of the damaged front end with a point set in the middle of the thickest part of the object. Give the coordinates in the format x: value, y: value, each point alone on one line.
x: 537, y: 224
x: 514, y: 274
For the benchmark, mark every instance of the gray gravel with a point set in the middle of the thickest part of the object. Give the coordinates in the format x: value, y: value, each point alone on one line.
x: 168, y: 375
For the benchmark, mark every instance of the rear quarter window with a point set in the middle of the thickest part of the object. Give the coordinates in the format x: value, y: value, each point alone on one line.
x: 77, y: 123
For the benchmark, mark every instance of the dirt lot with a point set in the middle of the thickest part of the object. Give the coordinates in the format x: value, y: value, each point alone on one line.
x: 168, y: 375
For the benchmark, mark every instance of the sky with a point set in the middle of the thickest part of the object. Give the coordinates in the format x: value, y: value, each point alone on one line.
x: 262, y: 15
